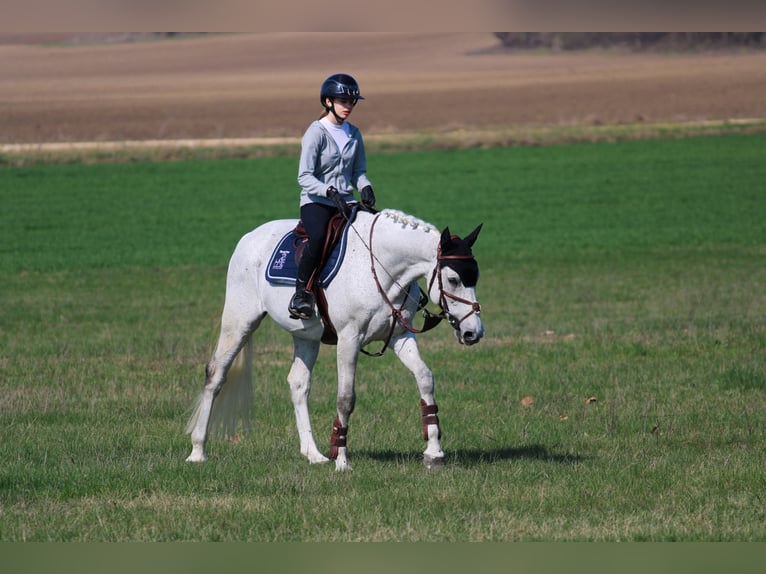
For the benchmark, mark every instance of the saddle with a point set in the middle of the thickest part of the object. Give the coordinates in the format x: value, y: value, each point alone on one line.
x: 283, y: 265
x: 335, y: 228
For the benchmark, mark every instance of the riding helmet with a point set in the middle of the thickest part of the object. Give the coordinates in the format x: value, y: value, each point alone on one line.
x: 339, y: 86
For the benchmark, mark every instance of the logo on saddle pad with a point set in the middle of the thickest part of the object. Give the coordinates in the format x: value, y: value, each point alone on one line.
x: 279, y: 263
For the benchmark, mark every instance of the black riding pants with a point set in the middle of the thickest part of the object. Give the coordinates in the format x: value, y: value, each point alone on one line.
x: 315, y: 217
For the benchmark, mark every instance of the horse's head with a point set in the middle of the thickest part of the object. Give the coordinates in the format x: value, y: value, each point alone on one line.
x: 454, y: 289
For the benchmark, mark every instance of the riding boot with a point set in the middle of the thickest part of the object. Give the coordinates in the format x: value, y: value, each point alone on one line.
x: 302, y: 302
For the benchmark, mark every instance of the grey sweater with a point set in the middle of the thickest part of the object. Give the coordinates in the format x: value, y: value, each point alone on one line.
x: 322, y: 164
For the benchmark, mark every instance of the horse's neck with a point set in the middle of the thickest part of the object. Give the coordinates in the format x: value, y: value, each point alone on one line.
x: 407, y: 253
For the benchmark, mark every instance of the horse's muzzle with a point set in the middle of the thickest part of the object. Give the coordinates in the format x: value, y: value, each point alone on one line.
x: 469, y: 337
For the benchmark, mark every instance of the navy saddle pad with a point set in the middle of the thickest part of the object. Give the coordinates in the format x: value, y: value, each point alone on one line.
x: 283, y: 268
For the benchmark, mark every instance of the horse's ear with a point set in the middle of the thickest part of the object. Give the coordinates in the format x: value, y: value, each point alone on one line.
x: 471, y: 237
x: 446, y: 238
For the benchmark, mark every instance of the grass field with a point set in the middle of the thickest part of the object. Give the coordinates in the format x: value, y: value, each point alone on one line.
x: 631, y: 274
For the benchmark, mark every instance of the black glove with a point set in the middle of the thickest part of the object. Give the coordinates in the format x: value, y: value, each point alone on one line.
x: 368, y: 196
x: 334, y: 196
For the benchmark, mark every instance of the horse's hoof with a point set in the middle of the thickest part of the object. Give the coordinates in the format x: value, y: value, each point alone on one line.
x: 433, y: 462
x: 318, y: 459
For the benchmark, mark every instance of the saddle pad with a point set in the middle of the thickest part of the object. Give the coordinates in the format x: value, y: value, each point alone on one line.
x: 283, y: 268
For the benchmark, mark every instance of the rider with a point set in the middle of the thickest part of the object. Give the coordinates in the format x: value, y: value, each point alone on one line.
x: 332, y: 164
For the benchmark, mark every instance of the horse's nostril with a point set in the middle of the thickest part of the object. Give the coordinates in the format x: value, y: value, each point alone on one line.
x: 471, y: 337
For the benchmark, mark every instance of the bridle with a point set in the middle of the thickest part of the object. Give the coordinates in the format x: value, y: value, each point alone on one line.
x: 444, y: 295
x: 431, y: 319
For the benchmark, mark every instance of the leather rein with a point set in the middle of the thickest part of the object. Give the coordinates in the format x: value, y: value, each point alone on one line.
x: 431, y: 319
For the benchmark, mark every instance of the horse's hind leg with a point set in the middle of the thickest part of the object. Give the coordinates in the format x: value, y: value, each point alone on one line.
x: 234, y: 337
x: 304, y: 358
x: 406, y: 348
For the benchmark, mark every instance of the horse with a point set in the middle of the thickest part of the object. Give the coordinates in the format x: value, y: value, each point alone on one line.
x: 374, y: 296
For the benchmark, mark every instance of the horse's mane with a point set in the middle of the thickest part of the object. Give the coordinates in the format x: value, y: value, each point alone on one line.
x: 407, y: 220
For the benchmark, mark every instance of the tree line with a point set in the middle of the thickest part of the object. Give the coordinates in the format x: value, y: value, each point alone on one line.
x: 632, y: 40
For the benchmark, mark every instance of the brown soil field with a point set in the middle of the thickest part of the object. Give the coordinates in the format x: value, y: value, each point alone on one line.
x: 266, y: 86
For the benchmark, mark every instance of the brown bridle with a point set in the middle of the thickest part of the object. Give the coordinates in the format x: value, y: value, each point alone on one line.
x: 431, y: 319
x: 444, y: 295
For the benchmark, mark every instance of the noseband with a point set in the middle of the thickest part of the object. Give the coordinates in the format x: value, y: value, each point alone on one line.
x: 431, y: 319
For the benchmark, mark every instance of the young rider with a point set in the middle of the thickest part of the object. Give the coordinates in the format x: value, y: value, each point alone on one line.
x: 332, y: 164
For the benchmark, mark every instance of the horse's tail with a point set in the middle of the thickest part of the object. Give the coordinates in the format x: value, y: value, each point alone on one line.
x: 234, y: 403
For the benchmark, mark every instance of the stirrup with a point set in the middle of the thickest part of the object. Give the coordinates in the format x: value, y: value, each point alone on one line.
x: 301, y: 305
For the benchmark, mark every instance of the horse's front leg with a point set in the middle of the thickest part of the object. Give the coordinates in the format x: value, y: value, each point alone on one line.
x: 346, y: 356
x: 304, y: 358
x: 406, y: 348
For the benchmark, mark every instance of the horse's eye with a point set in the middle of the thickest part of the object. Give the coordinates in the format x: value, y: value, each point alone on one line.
x: 453, y: 281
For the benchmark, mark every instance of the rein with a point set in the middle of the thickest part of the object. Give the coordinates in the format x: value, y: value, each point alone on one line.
x: 431, y: 319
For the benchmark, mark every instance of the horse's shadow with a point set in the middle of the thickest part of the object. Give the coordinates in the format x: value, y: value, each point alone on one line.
x: 477, y: 457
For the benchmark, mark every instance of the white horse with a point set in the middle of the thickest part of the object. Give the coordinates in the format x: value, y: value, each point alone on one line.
x: 374, y: 297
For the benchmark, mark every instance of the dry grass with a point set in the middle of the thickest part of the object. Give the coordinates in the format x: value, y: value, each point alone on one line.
x: 173, y: 150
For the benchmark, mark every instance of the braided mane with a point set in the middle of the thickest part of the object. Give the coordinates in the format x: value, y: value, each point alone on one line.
x: 407, y: 220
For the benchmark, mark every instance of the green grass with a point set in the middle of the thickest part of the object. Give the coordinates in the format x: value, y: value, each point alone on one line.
x: 630, y: 272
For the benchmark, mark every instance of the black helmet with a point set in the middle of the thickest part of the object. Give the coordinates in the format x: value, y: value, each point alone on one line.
x: 339, y: 86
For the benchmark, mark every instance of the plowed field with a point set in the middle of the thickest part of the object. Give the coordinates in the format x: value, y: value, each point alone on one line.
x: 251, y: 86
